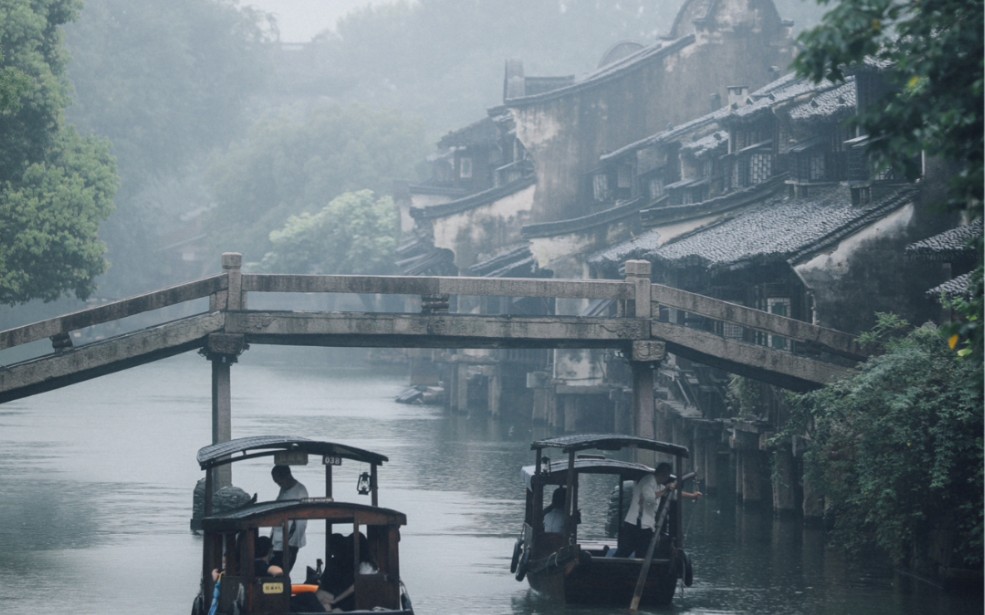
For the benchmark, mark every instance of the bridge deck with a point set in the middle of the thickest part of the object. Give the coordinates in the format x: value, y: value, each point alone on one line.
x: 227, y: 326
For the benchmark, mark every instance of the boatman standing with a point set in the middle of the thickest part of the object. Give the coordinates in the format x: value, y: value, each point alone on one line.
x: 641, y: 518
x: 290, y: 489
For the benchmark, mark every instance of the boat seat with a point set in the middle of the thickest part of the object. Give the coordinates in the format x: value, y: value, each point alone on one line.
x: 376, y: 590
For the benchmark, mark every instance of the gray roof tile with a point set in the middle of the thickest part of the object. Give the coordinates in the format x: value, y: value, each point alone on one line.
x: 782, y: 227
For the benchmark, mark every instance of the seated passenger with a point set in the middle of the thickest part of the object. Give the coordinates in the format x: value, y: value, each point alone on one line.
x: 345, y: 599
x: 554, y: 514
x: 337, y: 575
x: 263, y: 552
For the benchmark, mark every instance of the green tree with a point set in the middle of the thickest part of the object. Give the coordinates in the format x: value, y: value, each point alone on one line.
x: 55, y: 186
x: 292, y: 165
x: 932, y: 52
x: 897, y: 450
x: 356, y: 233
x: 165, y: 83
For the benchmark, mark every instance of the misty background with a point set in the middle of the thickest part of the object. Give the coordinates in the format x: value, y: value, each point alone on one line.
x: 227, y: 118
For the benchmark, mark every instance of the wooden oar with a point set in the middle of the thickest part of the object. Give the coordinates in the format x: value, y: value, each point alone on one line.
x: 634, y: 605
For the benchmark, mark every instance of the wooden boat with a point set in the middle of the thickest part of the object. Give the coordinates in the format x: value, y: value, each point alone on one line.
x: 583, y: 569
x: 230, y: 537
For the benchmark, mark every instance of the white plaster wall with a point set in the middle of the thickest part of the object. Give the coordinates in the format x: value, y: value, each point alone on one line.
x: 837, y: 261
x: 535, y: 126
x: 467, y: 234
x: 423, y: 201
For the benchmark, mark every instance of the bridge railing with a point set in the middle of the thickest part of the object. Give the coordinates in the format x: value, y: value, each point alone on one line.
x: 769, y: 325
x: 636, y: 296
x: 59, y: 329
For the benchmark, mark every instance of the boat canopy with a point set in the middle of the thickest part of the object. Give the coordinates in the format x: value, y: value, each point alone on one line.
x: 272, y: 514
x: 558, y: 470
x: 608, y: 442
x: 265, y: 446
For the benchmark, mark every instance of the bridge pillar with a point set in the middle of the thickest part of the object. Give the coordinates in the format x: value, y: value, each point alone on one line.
x: 645, y: 357
x: 458, y: 397
x: 645, y: 354
x: 750, y: 465
x: 222, y: 350
x: 622, y: 410
x: 494, y: 391
x: 707, y: 437
x: 544, y: 399
x: 784, y: 482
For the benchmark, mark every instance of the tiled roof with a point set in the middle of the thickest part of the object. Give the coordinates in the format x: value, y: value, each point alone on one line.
x: 417, y: 257
x: 596, y: 220
x: 636, y: 248
x: 783, y: 89
x: 781, y: 227
x: 952, y: 242
x: 657, y: 51
x: 705, y: 145
x: 515, y: 262
x: 955, y: 287
x: 831, y: 103
x: 481, y: 131
x: 472, y: 201
x: 674, y: 132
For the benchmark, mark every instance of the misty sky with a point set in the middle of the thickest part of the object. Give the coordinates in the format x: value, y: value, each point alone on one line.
x: 301, y: 20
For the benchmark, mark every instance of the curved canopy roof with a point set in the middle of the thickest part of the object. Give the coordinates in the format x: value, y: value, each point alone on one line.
x: 608, y: 442
x: 557, y: 473
x: 267, y: 446
x: 272, y: 514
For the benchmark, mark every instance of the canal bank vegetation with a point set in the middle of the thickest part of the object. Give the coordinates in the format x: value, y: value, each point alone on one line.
x: 896, y: 452
x: 897, y: 449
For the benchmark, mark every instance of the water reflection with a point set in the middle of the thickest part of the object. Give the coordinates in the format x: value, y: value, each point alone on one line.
x: 97, y: 483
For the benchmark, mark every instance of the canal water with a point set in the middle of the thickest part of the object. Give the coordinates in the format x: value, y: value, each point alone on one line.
x: 96, y: 485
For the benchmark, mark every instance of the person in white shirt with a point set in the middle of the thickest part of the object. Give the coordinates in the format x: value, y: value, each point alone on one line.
x: 554, y: 514
x: 290, y: 489
x: 640, y: 522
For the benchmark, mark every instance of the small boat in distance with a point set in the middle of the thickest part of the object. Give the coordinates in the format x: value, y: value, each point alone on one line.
x: 572, y: 565
x: 369, y: 563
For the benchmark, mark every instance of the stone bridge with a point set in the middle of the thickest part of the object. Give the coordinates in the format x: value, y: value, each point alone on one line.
x: 213, y: 315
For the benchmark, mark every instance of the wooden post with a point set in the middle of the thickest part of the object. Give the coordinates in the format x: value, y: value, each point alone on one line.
x: 222, y: 351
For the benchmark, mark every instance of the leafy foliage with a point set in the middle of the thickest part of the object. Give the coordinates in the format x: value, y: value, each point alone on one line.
x: 897, y: 450
x: 288, y: 166
x: 165, y: 83
x: 356, y: 233
x: 55, y: 186
x: 932, y: 51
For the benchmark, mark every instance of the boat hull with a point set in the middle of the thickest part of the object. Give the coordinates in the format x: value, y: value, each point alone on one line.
x: 604, y: 580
